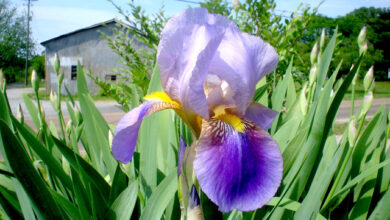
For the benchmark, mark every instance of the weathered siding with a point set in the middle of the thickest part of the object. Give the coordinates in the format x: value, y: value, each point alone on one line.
x: 90, y: 49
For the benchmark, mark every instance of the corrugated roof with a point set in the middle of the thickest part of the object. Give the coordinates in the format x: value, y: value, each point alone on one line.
x: 86, y: 28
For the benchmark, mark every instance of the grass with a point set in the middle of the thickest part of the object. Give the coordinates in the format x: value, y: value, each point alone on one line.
x: 339, y: 128
x: 43, y: 96
x: 381, y: 90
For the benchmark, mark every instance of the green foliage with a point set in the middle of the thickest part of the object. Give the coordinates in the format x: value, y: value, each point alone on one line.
x: 38, y: 64
x: 69, y: 172
x: 72, y: 174
x: 259, y: 18
x: 378, y: 32
x: 76, y: 177
x: 135, y: 41
x: 12, y: 42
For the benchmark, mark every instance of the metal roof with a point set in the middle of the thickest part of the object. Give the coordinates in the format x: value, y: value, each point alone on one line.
x: 85, y: 29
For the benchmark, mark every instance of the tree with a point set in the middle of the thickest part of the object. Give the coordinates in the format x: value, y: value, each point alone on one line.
x: 13, y: 35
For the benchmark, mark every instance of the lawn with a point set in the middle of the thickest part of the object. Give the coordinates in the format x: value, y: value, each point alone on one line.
x: 381, y: 90
x: 43, y: 96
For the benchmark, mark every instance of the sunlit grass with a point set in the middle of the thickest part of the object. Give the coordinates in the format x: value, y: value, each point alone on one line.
x: 381, y: 90
x: 44, y: 96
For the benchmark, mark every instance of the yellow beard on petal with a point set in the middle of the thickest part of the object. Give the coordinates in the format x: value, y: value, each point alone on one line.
x: 221, y: 114
x: 162, y: 96
x: 192, y: 120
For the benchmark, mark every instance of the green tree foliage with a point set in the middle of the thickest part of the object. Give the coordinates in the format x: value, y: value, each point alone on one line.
x: 38, y: 64
x: 259, y: 18
x: 292, y: 36
x: 12, y: 42
x: 377, y: 21
x: 135, y: 41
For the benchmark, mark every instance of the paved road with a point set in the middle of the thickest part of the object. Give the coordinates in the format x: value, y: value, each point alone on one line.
x: 110, y: 109
x: 112, y: 113
x: 344, y: 110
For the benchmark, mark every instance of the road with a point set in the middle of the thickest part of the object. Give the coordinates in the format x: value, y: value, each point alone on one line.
x: 112, y: 113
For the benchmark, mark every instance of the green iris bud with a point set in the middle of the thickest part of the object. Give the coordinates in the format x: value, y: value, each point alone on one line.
x: 368, y: 79
x: 351, y: 133
x: 56, y: 63
x: 314, y: 53
x: 34, y: 80
x: 362, y: 36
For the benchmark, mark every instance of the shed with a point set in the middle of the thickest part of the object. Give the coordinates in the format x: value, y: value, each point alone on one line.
x: 86, y: 46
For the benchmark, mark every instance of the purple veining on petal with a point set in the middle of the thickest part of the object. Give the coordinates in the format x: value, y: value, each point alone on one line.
x: 126, y: 132
x: 180, y: 154
x: 237, y: 170
x: 260, y: 115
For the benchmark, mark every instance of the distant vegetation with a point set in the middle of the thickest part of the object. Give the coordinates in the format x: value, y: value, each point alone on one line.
x: 377, y: 21
x: 293, y: 37
x: 13, y: 47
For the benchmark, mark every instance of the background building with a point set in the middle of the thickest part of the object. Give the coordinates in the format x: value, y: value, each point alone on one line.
x: 86, y: 46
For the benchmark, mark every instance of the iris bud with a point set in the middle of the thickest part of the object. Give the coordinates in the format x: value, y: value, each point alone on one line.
x: 368, y: 79
x: 34, y: 80
x: 56, y: 63
x: 19, y: 113
x: 314, y: 53
x: 313, y: 74
x: 363, y: 48
x: 362, y: 36
x: 194, y: 210
x: 303, y: 100
x: 367, y: 103
x: 322, y: 39
x: 54, y: 100
x: 351, y: 133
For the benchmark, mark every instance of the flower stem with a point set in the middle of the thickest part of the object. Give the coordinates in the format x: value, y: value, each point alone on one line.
x: 59, y: 112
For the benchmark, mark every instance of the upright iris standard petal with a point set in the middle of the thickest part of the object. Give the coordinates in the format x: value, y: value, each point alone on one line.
x: 242, y: 60
x: 237, y: 170
x: 188, y: 44
x: 195, y: 43
x: 126, y: 131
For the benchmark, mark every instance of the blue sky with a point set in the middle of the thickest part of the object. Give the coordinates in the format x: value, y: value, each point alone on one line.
x: 55, y: 17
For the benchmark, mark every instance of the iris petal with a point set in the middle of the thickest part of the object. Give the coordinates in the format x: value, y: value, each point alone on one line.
x: 126, y: 132
x: 237, y: 170
x: 180, y: 154
x: 242, y: 60
x: 260, y: 115
x: 188, y: 43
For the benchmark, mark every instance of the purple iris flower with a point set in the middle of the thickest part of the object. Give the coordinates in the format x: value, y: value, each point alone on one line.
x: 209, y: 71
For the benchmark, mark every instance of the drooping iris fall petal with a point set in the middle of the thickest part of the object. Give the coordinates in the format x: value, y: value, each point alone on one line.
x: 126, y: 132
x: 237, y: 170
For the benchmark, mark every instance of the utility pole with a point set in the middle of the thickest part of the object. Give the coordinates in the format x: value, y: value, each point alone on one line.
x: 28, y: 38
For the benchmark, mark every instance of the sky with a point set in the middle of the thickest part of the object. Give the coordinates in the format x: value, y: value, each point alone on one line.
x: 51, y: 18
